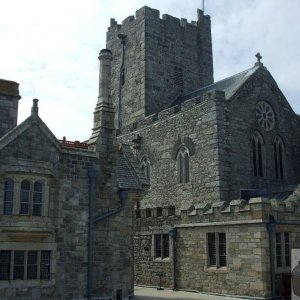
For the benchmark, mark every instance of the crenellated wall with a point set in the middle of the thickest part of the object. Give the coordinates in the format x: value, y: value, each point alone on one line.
x: 163, y: 58
x: 247, y: 242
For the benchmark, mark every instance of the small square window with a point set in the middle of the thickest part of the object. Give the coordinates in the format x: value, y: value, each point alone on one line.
x: 171, y: 211
x: 158, y: 211
x: 148, y: 212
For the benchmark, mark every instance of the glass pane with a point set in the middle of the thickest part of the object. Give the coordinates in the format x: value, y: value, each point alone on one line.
x: 187, y: 167
x: 222, y: 249
x: 278, y: 249
x: 8, y: 197
x: 165, y: 245
x: 32, y: 264
x: 19, y: 264
x: 4, y: 265
x: 158, y: 211
x: 287, y: 249
x: 24, y: 197
x: 45, y: 265
x: 254, y: 158
x: 275, y: 160
x: 38, y: 186
x: 157, y: 245
x: 260, y: 163
x: 211, y: 249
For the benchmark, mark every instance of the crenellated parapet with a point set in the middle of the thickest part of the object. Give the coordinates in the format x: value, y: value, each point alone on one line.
x: 170, y: 112
x: 147, y: 72
x: 235, y: 211
x: 240, y: 210
x: 153, y: 15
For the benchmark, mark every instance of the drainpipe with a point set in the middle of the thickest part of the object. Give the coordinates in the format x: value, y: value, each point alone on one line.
x: 121, y: 78
x: 173, y: 235
x: 271, y: 226
x: 123, y: 195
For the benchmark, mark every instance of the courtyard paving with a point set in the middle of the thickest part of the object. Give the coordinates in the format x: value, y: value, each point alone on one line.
x: 143, y: 293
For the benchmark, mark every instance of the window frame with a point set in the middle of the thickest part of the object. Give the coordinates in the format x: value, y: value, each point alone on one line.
x: 216, y: 258
x: 161, y: 246
x: 145, y: 166
x: 278, y: 149
x: 9, y: 186
x: 183, y: 165
x: 257, y: 147
x: 25, y: 196
x: 283, y: 249
x: 24, y: 265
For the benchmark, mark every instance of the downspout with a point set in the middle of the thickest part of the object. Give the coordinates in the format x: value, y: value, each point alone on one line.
x: 92, y: 174
x: 121, y: 78
x: 271, y: 226
x: 173, y: 235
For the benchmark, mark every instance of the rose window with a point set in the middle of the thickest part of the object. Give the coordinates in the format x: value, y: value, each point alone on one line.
x: 265, y: 115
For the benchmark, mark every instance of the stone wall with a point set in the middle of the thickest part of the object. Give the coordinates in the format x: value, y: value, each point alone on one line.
x: 194, y: 124
x: 31, y: 152
x: 236, y: 131
x: 163, y: 58
x: 247, y: 243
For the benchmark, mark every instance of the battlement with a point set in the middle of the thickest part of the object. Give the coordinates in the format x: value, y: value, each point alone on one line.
x: 150, y: 60
x: 238, y: 210
x: 153, y: 15
x: 174, y: 110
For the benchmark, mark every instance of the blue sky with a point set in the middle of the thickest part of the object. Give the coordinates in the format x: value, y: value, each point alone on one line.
x: 51, y: 49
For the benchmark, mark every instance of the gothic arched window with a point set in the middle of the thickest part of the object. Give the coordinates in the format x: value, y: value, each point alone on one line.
x: 8, y: 197
x: 25, y: 197
x: 278, y: 157
x: 145, y: 166
x: 257, y: 154
x: 183, y: 165
x: 37, y: 198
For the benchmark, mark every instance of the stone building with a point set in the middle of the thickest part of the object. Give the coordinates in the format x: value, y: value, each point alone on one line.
x: 221, y: 213
x: 65, y: 207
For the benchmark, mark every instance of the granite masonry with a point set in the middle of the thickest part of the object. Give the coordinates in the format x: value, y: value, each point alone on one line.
x: 221, y: 214
x: 209, y: 171
x: 66, y: 229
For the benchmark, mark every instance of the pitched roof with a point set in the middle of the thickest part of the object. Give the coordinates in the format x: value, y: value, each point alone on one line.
x: 18, y: 130
x: 129, y: 174
x: 229, y: 85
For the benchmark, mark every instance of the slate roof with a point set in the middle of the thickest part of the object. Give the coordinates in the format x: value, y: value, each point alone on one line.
x: 229, y: 85
x: 277, y: 193
x: 129, y: 173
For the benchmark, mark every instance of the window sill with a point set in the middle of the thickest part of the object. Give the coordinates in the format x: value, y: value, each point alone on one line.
x: 30, y: 283
x: 280, y: 270
x: 158, y: 259
x: 217, y: 269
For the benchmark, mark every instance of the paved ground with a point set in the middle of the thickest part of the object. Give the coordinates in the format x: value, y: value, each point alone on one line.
x: 142, y: 293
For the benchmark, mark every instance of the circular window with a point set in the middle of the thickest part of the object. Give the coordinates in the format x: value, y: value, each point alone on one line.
x: 265, y: 115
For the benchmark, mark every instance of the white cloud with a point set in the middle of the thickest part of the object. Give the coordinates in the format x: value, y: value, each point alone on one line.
x: 51, y: 49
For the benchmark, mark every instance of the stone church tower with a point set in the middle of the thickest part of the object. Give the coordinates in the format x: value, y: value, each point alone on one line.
x: 156, y: 60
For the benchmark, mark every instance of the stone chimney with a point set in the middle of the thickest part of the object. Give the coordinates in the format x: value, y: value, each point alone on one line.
x: 103, y: 138
x: 9, y: 95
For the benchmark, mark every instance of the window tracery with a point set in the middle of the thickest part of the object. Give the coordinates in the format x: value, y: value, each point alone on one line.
x: 257, y: 154
x: 278, y: 157
x: 183, y: 168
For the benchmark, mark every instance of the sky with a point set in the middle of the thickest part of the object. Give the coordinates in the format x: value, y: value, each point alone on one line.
x: 51, y: 47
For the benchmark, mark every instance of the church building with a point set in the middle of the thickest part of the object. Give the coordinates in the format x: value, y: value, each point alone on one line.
x: 222, y: 159
x: 184, y: 183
